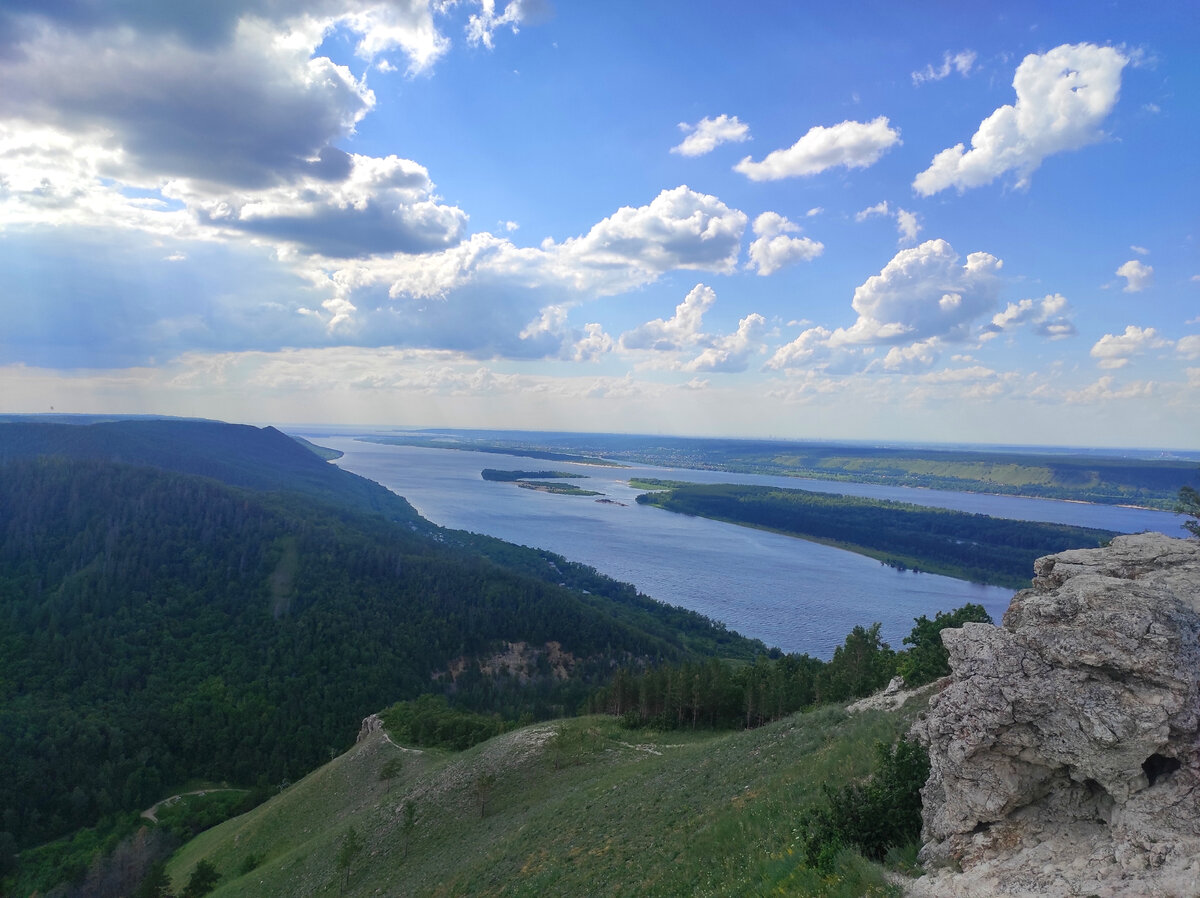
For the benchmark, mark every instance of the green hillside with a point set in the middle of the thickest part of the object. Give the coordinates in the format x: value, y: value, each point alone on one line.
x: 577, y: 807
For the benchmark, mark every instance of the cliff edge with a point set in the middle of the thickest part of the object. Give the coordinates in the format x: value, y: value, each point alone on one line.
x: 1065, y: 749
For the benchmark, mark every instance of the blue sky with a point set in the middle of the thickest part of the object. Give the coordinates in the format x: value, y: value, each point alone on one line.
x: 920, y: 222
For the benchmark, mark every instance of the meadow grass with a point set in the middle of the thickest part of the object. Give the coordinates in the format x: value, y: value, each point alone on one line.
x: 576, y: 807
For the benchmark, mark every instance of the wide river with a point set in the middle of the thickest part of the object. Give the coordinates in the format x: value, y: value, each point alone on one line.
x: 797, y: 595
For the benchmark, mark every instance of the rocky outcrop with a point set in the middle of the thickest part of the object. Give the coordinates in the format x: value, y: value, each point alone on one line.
x: 372, y: 723
x: 1065, y: 748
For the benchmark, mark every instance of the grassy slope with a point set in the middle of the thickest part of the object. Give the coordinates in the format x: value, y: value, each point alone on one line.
x: 579, y: 807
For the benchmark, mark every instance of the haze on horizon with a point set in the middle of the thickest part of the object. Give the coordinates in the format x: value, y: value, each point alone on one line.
x: 879, y: 221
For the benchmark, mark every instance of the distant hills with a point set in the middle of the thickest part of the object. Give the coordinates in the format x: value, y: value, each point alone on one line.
x: 188, y: 599
x: 1103, y: 476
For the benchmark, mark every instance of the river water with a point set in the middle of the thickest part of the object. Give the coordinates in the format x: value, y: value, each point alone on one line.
x: 797, y: 595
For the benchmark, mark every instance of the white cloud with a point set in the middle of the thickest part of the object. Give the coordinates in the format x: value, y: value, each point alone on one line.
x: 814, y: 211
x: 1189, y: 346
x: 849, y: 144
x: 381, y: 206
x: 683, y: 332
x: 1047, y: 316
x: 961, y: 62
x: 253, y: 112
x: 921, y: 299
x: 680, y: 330
x: 919, y: 356
x: 678, y: 229
x: 774, y: 249
x: 880, y: 208
x: 732, y: 353
x: 1138, y: 276
x: 1062, y: 97
x: 1105, y: 389
x: 1140, y: 250
x: 923, y: 292
x: 908, y: 225
x: 482, y: 26
x: 1115, y: 350
x: 807, y: 349
x: 709, y: 133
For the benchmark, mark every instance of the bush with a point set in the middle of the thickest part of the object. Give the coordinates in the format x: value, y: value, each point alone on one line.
x: 871, y: 817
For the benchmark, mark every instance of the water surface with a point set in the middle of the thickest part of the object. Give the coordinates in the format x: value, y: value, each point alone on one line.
x: 798, y: 595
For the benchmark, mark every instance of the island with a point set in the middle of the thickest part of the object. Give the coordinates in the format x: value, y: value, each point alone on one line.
x: 973, y: 547
x: 541, y: 481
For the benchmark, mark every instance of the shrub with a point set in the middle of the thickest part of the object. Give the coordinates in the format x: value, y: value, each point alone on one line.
x: 871, y: 817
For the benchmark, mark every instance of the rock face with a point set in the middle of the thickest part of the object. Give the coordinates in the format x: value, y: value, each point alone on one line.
x: 1065, y: 750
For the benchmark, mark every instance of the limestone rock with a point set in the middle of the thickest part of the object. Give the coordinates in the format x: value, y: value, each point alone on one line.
x: 372, y: 723
x: 1065, y: 751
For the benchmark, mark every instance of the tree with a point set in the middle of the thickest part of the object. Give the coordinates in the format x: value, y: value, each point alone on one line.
x: 409, y: 824
x: 156, y: 884
x: 203, y: 880
x: 1189, y: 504
x: 483, y: 790
x: 351, y: 848
x: 391, y: 770
x: 928, y: 659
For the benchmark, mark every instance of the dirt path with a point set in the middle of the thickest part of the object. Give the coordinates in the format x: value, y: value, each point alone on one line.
x: 151, y: 813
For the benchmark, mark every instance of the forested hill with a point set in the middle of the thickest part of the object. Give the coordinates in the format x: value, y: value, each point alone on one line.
x: 158, y: 626
x: 236, y: 454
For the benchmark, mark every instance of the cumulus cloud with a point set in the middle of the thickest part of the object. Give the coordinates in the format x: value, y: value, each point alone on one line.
x: 921, y: 299
x: 482, y: 26
x: 732, y: 353
x: 254, y: 112
x: 1140, y: 250
x: 1106, y: 389
x: 709, y: 133
x: 849, y: 144
x: 1062, y: 97
x: 382, y: 206
x: 1189, y: 346
x: 1047, y: 317
x: 1138, y: 276
x: 555, y: 338
x: 1116, y: 350
x: 773, y: 249
x: 880, y: 208
x: 908, y: 225
x: 811, y: 346
x: 680, y: 228
x: 961, y: 62
x: 919, y: 356
x: 923, y: 292
x: 680, y: 330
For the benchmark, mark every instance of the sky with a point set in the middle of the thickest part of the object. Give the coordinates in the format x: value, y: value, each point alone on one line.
x: 925, y: 222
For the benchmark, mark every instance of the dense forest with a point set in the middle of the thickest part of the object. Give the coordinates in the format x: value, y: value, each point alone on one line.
x: 719, y: 694
x: 969, y: 546
x: 158, y: 627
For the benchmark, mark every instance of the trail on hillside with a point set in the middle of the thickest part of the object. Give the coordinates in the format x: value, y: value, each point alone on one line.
x: 151, y: 813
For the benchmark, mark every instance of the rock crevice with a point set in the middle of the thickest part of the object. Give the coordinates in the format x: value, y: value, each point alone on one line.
x: 1065, y: 747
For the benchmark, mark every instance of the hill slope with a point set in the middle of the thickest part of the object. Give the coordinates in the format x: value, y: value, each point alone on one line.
x: 578, y: 807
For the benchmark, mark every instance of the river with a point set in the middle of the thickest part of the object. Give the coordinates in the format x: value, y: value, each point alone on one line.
x: 797, y: 595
